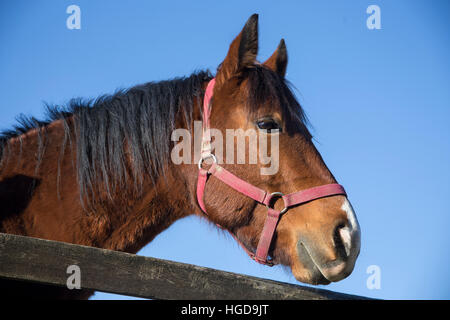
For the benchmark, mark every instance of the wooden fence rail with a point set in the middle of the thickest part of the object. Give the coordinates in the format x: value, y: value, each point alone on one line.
x: 44, y: 261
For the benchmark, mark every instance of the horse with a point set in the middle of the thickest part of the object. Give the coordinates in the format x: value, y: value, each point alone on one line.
x: 99, y: 172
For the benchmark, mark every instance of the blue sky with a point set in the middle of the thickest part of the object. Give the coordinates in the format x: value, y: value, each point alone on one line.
x: 378, y: 100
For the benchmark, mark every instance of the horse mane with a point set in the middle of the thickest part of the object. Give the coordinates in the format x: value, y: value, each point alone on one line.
x: 143, y: 117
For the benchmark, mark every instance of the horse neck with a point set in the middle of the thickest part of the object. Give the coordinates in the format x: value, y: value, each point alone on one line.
x: 53, y: 210
x: 137, y: 220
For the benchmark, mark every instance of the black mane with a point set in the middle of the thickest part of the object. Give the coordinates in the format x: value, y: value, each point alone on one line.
x: 143, y: 115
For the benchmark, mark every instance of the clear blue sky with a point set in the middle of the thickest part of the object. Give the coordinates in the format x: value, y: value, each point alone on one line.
x: 379, y: 102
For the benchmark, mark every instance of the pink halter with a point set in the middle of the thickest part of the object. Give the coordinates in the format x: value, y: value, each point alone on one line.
x: 251, y: 191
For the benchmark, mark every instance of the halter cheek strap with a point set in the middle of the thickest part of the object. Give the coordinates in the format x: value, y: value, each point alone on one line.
x: 251, y: 191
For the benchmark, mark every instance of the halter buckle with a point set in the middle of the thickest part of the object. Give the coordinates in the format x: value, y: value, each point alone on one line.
x: 203, y: 158
x: 278, y: 195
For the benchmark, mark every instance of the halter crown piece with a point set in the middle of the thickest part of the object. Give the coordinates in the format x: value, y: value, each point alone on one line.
x: 251, y: 191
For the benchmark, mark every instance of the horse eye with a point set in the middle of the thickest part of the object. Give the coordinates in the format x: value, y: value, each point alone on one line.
x: 268, y: 124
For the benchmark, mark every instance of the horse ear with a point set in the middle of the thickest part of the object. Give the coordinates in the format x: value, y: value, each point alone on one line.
x: 242, y: 52
x: 278, y: 61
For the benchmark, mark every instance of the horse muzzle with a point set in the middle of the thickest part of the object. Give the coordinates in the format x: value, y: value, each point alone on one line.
x: 331, y: 256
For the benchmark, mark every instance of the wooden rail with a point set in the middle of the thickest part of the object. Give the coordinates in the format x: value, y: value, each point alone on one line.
x: 44, y: 261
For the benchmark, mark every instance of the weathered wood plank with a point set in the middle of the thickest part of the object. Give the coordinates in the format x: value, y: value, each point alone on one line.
x: 44, y: 261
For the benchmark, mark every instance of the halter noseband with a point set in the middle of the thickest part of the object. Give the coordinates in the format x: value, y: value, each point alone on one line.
x: 251, y: 191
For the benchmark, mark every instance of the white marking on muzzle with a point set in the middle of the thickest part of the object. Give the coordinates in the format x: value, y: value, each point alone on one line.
x: 346, y: 239
x: 351, y: 234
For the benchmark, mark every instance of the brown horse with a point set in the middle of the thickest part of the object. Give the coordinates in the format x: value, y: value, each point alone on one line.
x: 99, y: 173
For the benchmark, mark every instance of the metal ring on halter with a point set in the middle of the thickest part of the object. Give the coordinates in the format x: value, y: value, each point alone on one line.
x: 206, y: 157
x: 280, y: 195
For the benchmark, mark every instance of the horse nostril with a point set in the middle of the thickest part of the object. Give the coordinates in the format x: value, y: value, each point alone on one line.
x: 342, y: 240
